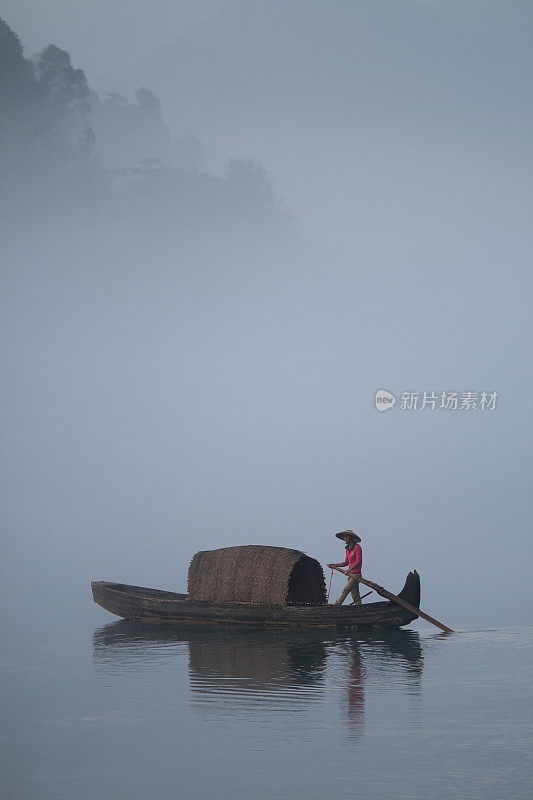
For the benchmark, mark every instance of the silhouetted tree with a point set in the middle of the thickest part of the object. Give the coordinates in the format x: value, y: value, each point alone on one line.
x: 127, y: 133
x: 17, y: 98
x: 249, y: 186
x: 148, y: 103
x: 64, y: 93
x: 16, y: 74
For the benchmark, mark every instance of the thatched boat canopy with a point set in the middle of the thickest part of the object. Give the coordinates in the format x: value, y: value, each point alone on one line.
x: 256, y: 574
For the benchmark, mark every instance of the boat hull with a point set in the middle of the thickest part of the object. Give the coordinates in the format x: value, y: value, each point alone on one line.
x: 154, y: 606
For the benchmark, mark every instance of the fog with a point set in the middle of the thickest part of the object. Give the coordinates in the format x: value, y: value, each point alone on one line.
x: 221, y: 235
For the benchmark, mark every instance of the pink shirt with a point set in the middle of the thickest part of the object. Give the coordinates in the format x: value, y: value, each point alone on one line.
x: 354, y: 559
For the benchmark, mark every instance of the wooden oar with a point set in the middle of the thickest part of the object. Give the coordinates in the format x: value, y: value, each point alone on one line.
x: 390, y: 596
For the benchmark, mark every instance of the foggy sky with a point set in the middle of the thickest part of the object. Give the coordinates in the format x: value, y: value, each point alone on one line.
x: 104, y: 36
x: 162, y: 397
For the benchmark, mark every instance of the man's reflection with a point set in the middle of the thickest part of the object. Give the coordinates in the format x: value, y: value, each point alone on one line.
x: 356, y: 691
x: 386, y: 660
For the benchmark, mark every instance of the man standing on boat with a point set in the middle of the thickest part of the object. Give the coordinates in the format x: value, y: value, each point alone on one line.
x: 354, y: 562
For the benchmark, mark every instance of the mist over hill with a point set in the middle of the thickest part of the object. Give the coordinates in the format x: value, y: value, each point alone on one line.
x: 352, y: 104
x: 102, y: 36
x: 65, y: 151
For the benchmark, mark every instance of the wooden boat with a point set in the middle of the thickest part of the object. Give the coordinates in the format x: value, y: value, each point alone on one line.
x: 254, y: 585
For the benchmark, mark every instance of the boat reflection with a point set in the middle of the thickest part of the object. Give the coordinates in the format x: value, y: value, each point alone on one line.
x: 232, y: 671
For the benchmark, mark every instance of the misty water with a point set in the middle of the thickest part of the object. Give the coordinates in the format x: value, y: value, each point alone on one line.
x: 105, y: 710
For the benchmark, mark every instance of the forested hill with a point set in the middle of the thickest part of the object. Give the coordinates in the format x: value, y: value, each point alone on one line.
x: 65, y: 149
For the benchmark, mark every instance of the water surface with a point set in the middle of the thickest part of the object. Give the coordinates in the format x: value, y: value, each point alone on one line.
x: 129, y: 711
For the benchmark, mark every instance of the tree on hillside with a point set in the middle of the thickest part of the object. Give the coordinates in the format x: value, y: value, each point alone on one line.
x: 17, y: 97
x: 16, y: 74
x: 64, y: 94
x: 148, y: 103
x: 128, y: 133
x: 250, y: 195
x: 248, y: 182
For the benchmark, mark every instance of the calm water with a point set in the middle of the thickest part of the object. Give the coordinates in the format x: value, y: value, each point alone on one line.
x: 124, y: 711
